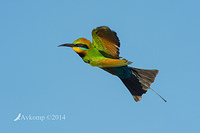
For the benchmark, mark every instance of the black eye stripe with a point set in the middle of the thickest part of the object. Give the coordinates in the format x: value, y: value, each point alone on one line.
x: 82, y: 45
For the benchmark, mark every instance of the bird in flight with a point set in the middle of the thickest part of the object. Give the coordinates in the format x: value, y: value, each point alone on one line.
x: 103, y: 52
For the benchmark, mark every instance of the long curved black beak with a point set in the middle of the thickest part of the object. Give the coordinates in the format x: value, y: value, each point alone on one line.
x: 67, y: 45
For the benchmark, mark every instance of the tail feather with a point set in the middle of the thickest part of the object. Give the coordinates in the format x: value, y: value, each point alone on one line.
x: 139, y: 82
x: 135, y: 87
x: 147, y: 75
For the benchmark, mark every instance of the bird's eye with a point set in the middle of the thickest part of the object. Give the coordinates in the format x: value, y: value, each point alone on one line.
x: 79, y: 45
x: 82, y: 45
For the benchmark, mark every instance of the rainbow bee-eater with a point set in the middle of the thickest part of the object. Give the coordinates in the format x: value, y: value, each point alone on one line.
x: 103, y: 52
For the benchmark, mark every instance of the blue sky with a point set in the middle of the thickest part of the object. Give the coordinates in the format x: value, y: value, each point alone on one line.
x: 40, y: 79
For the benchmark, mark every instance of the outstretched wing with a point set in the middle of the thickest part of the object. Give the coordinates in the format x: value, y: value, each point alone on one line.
x: 106, y: 41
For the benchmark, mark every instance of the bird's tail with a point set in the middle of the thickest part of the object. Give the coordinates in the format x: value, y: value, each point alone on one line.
x: 140, y: 81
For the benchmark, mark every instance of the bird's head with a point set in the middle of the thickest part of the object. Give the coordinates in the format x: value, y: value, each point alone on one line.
x: 80, y: 46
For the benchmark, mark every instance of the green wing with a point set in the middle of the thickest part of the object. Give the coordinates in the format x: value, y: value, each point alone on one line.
x: 106, y: 41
